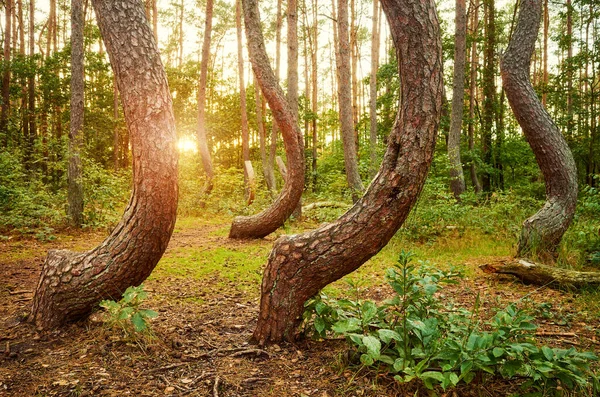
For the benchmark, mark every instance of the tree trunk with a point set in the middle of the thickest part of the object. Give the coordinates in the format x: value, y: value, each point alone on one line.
x: 31, y: 83
x: 4, y: 110
x: 457, y: 179
x: 489, y: 91
x: 274, y: 128
x: 542, y: 232
x: 116, y: 135
x: 75, y: 173
x: 539, y: 274
x: 71, y: 284
x: 545, y: 58
x: 345, y: 103
x: 472, y: 95
x: 314, y: 100
x: 243, y: 106
x: 373, y: 90
x: 201, y: 128
x: 300, y: 265
x: 270, y: 219
x: 260, y: 125
x: 569, y: 70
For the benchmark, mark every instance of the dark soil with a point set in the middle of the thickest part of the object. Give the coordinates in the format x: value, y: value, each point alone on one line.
x: 199, y: 345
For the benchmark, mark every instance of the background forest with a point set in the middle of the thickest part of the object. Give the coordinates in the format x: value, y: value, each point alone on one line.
x: 498, y: 164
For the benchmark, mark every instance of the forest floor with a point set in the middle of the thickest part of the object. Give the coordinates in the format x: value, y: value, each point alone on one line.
x: 206, y: 290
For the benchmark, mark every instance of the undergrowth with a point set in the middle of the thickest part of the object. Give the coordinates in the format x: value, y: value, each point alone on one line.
x: 415, y: 336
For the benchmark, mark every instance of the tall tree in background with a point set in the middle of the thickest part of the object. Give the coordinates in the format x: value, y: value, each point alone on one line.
x: 75, y: 174
x: 243, y: 105
x: 300, y: 265
x: 266, y: 222
x: 473, y: 93
x: 373, y: 90
x: 8, y: 11
x: 71, y: 284
x: 541, y: 233
x: 31, y: 83
x: 345, y: 102
x: 489, y: 90
x: 457, y: 179
x: 201, y: 126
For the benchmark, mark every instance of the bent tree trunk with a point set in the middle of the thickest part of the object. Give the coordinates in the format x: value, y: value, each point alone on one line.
x: 541, y: 233
x: 266, y: 222
x: 300, y: 265
x: 71, y: 284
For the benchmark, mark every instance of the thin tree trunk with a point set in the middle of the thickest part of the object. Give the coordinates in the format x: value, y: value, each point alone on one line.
x: 4, y: 110
x: 31, y: 84
x: 71, y: 284
x: 270, y: 219
x: 354, y: 65
x: 314, y: 73
x: 24, y: 89
x: 345, y: 103
x: 274, y: 128
x: 75, y: 172
x: 300, y: 265
x: 472, y: 95
x: 292, y: 71
x: 457, y: 179
x: 542, y: 232
x: 268, y: 171
x: 545, y: 58
x: 569, y: 70
x: 373, y: 89
x: 489, y: 91
x: 243, y: 106
x: 201, y: 127
x: 116, y: 135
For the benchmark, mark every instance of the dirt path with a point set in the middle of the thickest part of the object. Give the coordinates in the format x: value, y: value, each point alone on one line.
x: 200, y: 344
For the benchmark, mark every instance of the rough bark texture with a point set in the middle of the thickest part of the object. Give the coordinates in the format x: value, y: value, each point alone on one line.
x: 457, y: 179
x: 75, y: 172
x: 268, y: 171
x: 345, y: 103
x: 201, y: 127
x: 489, y: 91
x: 71, y: 284
x: 472, y: 94
x: 266, y: 222
x: 539, y: 274
x: 300, y: 265
x: 542, y: 232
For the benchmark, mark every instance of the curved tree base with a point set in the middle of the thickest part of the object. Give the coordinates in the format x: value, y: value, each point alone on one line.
x: 541, y: 233
x: 300, y: 265
x: 71, y: 284
x: 269, y: 220
x: 540, y: 274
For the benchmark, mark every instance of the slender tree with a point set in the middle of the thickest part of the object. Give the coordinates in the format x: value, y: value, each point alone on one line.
x: 71, y: 284
x: 201, y: 127
x: 75, y: 174
x: 345, y: 102
x: 8, y: 11
x: 300, y: 265
x: 473, y: 93
x: 489, y: 90
x: 266, y: 222
x: 457, y: 179
x: 243, y: 105
x: 542, y: 232
x: 373, y: 89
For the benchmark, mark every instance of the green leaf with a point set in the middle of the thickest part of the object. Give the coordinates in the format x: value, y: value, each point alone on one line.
x: 399, y: 364
x: 344, y: 326
x: 384, y: 358
x: 373, y: 346
x: 319, y: 324
x: 386, y: 335
x: 366, y: 359
x: 466, y: 366
x: 548, y: 353
x: 428, y: 376
x: 139, y: 324
x: 369, y: 311
x: 512, y: 367
x: 125, y: 313
x: 148, y: 313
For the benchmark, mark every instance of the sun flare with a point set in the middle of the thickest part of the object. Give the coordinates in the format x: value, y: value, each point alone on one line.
x: 187, y: 145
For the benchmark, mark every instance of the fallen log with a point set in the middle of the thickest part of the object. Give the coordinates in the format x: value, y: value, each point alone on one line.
x: 324, y: 204
x: 538, y: 274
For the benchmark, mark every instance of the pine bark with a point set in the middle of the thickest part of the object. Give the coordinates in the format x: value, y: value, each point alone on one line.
x: 201, y: 126
x: 262, y: 138
x: 243, y: 105
x: 266, y: 222
x: 345, y: 103
x: 31, y: 82
x: 75, y: 172
x: 542, y: 232
x: 457, y: 179
x: 71, y: 284
x: 300, y: 265
x: 472, y: 95
x: 489, y: 91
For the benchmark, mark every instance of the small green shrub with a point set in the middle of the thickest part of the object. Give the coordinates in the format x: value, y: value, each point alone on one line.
x: 127, y: 313
x: 415, y: 335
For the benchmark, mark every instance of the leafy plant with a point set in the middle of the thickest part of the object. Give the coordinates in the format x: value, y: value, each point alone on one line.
x: 127, y: 313
x: 415, y: 335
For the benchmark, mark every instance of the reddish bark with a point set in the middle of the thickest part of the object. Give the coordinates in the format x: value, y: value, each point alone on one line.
x: 71, y: 284
x: 300, y: 265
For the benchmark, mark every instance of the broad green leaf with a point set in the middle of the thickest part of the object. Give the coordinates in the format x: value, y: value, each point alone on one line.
x: 369, y: 311
x: 373, y: 346
x: 319, y: 324
x: 148, y: 313
x: 548, y: 353
x: 386, y: 335
x: 138, y: 322
x: 366, y: 359
x: 344, y: 326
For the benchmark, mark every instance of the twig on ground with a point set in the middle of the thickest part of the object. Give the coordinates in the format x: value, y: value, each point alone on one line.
x: 564, y: 334
x: 216, y: 387
x: 20, y: 292
x: 258, y: 352
x: 167, y: 367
